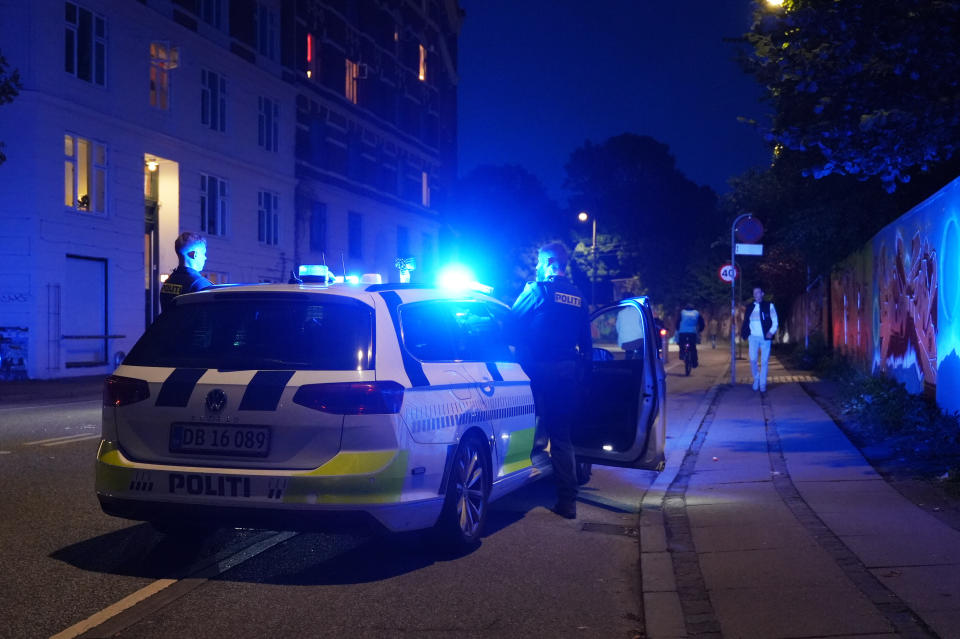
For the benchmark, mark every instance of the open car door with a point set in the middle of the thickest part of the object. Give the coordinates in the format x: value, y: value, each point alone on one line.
x: 622, y: 419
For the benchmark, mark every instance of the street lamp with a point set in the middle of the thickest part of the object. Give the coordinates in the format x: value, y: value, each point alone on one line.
x: 583, y: 217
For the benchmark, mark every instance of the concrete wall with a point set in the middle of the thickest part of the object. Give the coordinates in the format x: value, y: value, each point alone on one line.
x: 894, y: 306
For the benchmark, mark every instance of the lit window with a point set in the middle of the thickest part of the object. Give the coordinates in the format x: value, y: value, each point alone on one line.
x: 213, y: 100
x: 213, y: 205
x: 266, y: 30
x: 84, y: 174
x: 162, y: 59
x: 424, y: 188
x: 268, y: 123
x: 313, y: 64
x: 85, y: 44
x: 353, y: 72
x: 268, y: 218
x: 422, y: 75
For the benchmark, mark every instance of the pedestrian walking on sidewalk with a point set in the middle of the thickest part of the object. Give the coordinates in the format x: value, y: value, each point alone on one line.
x: 552, y: 329
x: 712, y: 327
x: 759, y: 326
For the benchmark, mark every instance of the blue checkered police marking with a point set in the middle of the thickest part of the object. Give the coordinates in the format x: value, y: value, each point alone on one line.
x: 434, y: 418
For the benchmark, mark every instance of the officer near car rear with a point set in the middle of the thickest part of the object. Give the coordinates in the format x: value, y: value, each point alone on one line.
x: 552, y: 329
x: 191, y: 251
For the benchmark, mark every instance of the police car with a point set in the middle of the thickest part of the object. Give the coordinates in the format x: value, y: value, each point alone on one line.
x: 316, y: 405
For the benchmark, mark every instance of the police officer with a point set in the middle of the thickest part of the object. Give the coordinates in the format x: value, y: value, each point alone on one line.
x: 553, y: 337
x: 191, y: 251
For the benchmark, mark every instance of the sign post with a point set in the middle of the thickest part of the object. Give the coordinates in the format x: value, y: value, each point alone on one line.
x: 749, y: 233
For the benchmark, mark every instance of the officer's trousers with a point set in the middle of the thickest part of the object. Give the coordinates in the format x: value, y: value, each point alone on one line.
x: 555, y: 395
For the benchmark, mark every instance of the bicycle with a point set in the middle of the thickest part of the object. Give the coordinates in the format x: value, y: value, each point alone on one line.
x: 688, y: 352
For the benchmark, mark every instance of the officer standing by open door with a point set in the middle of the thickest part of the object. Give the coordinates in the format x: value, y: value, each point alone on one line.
x: 553, y: 341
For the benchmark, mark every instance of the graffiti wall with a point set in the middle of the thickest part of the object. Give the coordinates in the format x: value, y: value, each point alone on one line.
x: 894, y: 306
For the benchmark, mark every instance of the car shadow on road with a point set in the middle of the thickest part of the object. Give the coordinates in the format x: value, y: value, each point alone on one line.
x: 140, y: 551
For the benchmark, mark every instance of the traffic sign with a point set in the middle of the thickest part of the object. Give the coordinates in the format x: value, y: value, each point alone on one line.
x: 728, y: 272
x: 749, y: 230
x: 749, y: 249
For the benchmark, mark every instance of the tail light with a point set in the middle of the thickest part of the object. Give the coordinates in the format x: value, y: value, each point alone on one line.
x: 120, y: 391
x: 351, y: 398
x: 663, y: 332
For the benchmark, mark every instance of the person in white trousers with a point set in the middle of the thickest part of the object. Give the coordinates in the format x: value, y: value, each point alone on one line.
x: 759, y: 326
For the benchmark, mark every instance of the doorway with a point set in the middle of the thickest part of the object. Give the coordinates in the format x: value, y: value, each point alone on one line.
x: 161, y: 199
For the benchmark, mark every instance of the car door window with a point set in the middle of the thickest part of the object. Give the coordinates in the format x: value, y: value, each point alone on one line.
x: 448, y: 331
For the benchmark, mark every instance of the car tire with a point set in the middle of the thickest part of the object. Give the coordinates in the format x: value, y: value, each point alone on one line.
x: 467, y: 499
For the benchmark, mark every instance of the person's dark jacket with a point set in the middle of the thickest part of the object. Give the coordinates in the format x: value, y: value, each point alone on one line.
x: 551, y: 322
x: 182, y: 280
x: 766, y: 322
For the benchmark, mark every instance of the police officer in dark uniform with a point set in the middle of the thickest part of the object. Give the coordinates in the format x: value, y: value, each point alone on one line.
x: 552, y: 330
x: 191, y: 251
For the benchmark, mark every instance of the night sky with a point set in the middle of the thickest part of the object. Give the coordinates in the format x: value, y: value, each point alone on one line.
x: 539, y: 77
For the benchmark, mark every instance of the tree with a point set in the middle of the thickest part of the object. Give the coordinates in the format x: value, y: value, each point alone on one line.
x: 863, y: 87
x: 652, y: 220
x: 499, y: 215
x: 10, y: 86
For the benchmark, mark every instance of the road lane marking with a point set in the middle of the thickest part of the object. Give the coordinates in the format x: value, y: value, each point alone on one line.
x: 53, y: 404
x: 66, y: 439
x: 115, y: 609
x: 135, y: 607
x: 80, y: 438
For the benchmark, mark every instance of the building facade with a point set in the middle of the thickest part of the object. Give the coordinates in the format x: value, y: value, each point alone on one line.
x: 285, y: 132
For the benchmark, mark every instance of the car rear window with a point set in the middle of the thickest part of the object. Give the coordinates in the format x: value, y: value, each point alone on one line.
x: 260, y: 333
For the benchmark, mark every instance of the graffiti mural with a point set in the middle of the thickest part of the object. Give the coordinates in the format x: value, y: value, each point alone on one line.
x: 905, y: 346
x: 894, y: 305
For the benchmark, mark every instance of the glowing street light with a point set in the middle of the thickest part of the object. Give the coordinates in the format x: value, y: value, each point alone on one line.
x: 774, y: 4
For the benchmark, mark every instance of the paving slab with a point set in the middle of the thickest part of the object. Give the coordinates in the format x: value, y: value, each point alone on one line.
x: 785, y: 611
x: 737, y: 537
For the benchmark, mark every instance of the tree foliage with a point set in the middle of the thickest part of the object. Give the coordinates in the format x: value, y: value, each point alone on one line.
x: 652, y: 221
x: 10, y: 86
x: 499, y: 215
x: 865, y: 87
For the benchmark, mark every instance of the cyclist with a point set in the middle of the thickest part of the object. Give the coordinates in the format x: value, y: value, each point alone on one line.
x: 689, y: 324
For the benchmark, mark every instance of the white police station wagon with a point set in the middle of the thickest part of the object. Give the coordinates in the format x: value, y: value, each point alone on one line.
x: 307, y: 406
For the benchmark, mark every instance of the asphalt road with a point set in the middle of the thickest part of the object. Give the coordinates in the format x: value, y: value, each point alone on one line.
x: 71, y: 571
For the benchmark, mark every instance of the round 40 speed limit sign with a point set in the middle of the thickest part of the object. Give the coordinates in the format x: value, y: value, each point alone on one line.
x: 728, y: 272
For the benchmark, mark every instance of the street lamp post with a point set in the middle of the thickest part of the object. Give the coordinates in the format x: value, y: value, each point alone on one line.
x: 733, y: 297
x: 593, y: 256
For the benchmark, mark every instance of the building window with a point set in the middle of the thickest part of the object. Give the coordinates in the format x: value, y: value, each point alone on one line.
x: 162, y: 59
x: 213, y: 100
x: 268, y: 124
x: 424, y: 188
x: 266, y: 30
x: 84, y: 174
x: 268, y: 218
x: 313, y: 62
x: 355, y: 235
x: 422, y: 74
x: 426, y: 245
x: 85, y: 45
x: 353, y: 72
x: 318, y: 227
x: 403, y: 242
x: 213, y: 205
x: 211, y: 12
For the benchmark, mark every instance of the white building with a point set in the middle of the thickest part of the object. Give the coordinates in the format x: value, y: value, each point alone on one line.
x: 261, y: 125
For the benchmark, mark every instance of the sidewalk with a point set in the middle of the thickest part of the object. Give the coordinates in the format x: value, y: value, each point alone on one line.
x: 768, y: 522
x: 41, y: 390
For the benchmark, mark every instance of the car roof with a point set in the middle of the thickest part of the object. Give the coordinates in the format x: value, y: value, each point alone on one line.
x: 362, y: 292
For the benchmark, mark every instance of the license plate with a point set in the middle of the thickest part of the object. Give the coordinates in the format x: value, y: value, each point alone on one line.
x: 217, y: 439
